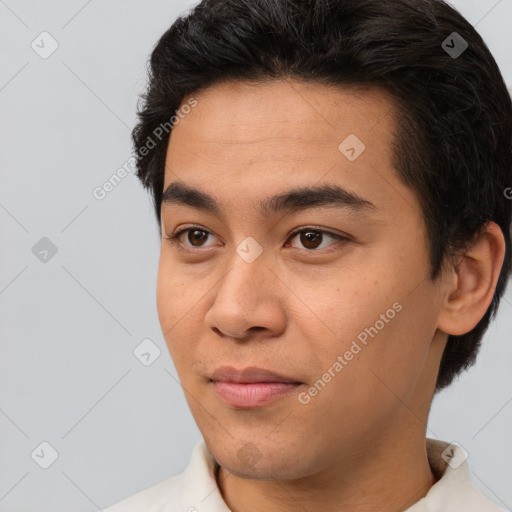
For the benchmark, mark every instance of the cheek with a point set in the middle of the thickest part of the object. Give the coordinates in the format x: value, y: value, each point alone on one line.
x: 343, y: 306
x: 166, y: 294
x: 387, y: 352
x: 379, y: 327
x: 176, y: 293
x: 373, y: 380
x: 174, y: 302
x: 180, y: 301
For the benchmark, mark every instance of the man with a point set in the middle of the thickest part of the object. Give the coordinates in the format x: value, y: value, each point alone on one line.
x: 329, y: 179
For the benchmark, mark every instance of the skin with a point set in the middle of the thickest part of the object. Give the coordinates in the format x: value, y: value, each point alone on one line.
x: 359, y: 444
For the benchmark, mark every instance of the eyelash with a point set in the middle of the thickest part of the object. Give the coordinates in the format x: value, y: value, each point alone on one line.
x: 174, y: 239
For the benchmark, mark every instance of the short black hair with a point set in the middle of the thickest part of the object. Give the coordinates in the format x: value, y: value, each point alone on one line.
x: 453, y: 142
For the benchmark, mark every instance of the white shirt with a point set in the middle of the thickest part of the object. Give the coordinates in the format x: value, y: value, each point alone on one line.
x: 195, y: 490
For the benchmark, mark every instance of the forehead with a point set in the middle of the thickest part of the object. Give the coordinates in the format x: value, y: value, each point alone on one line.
x: 244, y: 137
x: 303, y: 110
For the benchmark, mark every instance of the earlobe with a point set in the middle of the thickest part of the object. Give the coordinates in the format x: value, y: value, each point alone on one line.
x: 471, y: 282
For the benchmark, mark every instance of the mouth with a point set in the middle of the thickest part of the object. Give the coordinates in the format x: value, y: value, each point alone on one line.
x: 251, y: 387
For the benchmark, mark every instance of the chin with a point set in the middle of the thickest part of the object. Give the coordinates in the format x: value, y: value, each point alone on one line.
x: 247, y: 460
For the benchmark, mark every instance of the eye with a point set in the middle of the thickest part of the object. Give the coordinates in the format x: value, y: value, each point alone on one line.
x: 196, y: 237
x: 312, y: 238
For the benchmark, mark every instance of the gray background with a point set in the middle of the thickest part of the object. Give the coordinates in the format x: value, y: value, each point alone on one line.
x: 68, y: 326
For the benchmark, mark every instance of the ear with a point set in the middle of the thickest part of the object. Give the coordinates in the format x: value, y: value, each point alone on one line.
x: 470, y: 282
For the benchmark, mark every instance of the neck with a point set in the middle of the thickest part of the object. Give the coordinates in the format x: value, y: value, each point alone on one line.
x: 384, y: 476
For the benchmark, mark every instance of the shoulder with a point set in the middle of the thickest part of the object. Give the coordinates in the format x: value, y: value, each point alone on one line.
x: 185, y: 492
x: 454, y: 491
x: 153, y: 499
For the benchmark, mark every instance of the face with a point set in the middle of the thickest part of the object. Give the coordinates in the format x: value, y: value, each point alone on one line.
x: 328, y: 288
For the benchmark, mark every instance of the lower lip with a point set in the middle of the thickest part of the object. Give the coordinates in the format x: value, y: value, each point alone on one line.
x: 254, y: 394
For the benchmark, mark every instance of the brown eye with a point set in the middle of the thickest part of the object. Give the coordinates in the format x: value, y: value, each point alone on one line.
x: 314, y: 238
x: 310, y: 239
x: 196, y: 236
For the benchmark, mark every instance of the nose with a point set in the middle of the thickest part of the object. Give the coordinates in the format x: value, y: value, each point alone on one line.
x: 249, y: 298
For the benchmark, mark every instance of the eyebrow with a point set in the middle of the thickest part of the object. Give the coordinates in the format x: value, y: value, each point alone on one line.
x: 291, y: 201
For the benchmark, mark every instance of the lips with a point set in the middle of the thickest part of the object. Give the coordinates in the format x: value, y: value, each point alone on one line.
x: 249, y: 375
x: 251, y: 387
